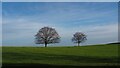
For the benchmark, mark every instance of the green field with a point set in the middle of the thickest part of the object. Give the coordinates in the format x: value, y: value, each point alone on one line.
x: 72, y: 56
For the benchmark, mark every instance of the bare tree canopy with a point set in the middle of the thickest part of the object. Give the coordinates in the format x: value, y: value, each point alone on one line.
x: 79, y: 37
x: 47, y: 35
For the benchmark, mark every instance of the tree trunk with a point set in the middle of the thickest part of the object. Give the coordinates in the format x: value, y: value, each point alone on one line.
x: 45, y: 44
x: 78, y: 44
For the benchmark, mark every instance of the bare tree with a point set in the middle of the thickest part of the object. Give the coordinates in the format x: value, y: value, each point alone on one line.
x: 47, y: 35
x: 79, y: 37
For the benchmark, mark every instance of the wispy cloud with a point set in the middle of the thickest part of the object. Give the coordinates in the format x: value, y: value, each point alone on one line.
x: 98, y: 23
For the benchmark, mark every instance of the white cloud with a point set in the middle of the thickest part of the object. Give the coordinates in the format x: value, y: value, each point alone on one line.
x: 27, y: 26
x: 27, y: 29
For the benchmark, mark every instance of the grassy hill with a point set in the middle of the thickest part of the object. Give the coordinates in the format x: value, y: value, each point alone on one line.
x: 71, y: 56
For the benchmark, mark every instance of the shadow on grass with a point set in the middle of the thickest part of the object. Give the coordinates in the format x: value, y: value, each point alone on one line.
x: 52, y: 66
x: 50, y: 57
x: 22, y: 57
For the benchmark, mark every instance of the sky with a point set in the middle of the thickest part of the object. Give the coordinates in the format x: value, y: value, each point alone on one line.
x: 0, y: 24
x: 60, y: 0
x: 22, y: 20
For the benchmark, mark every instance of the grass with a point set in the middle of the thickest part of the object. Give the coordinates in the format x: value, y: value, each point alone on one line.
x: 71, y: 56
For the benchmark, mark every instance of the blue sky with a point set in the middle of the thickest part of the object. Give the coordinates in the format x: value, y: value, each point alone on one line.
x: 22, y: 20
x: 1, y: 23
x: 0, y: 34
x: 60, y: 0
